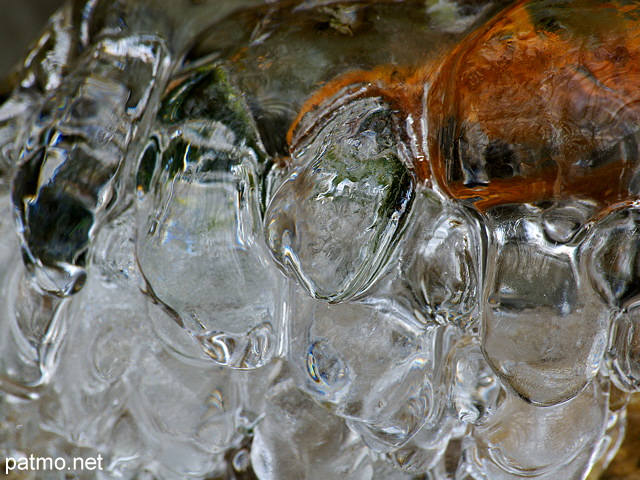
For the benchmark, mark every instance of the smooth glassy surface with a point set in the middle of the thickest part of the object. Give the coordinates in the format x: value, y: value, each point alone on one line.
x: 366, y: 239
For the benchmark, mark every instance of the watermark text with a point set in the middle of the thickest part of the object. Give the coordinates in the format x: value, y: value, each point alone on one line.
x: 32, y: 463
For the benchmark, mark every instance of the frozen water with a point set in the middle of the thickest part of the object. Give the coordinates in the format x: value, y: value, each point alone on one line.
x: 299, y: 439
x: 442, y: 277
x: 544, y: 330
x: 610, y: 257
x: 199, y: 243
x: 337, y: 217
x: 73, y: 151
x: 367, y: 364
x: 623, y: 357
x: 31, y: 331
x: 610, y: 254
x: 475, y: 389
x: 524, y: 440
x: 309, y: 239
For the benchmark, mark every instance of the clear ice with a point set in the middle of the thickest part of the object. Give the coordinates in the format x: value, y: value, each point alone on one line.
x: 310, y: 239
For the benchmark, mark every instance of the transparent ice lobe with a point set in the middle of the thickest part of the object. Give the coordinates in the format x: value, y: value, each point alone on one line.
x: 466, y: 393
x: 186, y: 413
x: 107, y: 329
x: 103, y: 343
x: 441, y: 261
x: 384, y: 470
x: 616, y: 429
x: 369, y: 364
x: 336, y: 219
x: 475, y: 390
x: 523, y: 440
x: 121, y: 392
x: 34, y: 334
x: 623, y: 356
x: 199, y: 244
x: 30, y: 330
x: 40, y: 73
x: 544, y: 329
x: 65, y: 181
x: 426, y: 449
x: 610, y: 254
x: 298, y: 439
